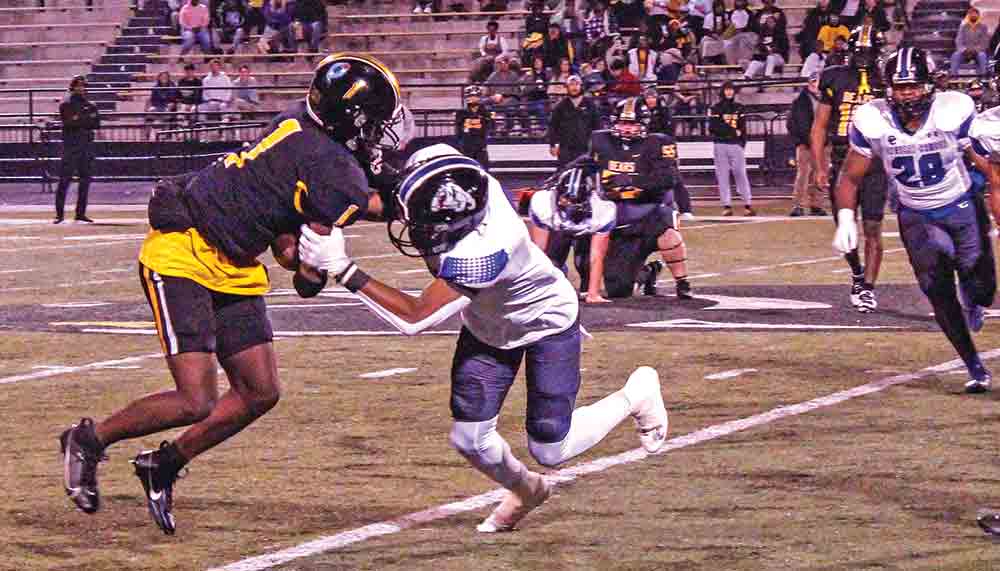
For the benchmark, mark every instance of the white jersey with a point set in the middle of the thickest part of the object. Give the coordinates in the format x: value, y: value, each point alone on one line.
x: 517, y: 295
x: 544, y: 214
x: 985, y: 134
x: 926, y: 167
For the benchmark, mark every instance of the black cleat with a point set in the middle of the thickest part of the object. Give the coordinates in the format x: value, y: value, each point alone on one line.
x: 749, y: 211
x: 84, y: 219
x: 989, y: 522
x: 58, y: 220
x: 727, y: 210
x: 158, y: 483
x: 796, y: 212
x: 684, y: 290
x: 817, y: 211
x: 857, y: 286
x: 80, y: 467
x: 649, y: 273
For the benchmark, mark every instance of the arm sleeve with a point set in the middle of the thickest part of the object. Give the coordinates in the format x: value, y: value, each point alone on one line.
x: 407, y: 328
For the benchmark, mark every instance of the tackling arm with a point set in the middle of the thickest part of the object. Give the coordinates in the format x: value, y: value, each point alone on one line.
x: 408, y: 314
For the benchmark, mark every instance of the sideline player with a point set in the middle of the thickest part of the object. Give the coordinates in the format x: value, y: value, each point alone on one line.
x: 199, y: 271
x: 571, y: 213
x: 921, y: 139
x: 516, y: 305
x: 639, y: 171
x: 843, y: 89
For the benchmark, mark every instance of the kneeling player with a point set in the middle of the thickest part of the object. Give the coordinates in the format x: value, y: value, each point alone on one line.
x: 638, y: 175
x: 919, y: 136
x: 572, y: 214
x: 515, y: 306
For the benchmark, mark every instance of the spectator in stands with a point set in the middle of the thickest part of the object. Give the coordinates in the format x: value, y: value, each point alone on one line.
x: 534, y: 95
x: 687, y: 97
x: 642, y: 60
x: 311, y: 15
x: 872, y: 12
x: 624, y: 84
x: 573, y: 119
x: 995, y: 42
x: 657, y: 18
x: 194, y: 21
x: 814, y: 63
x: 423, y: 6
x: 595, y: 79
x: 779, y: 22
x: 537, y: 22
x: 830, y: 31
x: 217, y: 92
x: 817, y: 16
x: 557, y: 81
x: 504, y: 91
x: 491, y: 46
x: 713, y: 42
x: 556, y: 47
x: 850, y: 11
x: 80, y: 119
x: 660, y: 118
x: 163, y: 98
x: 628, y: 13
x: 598, y: 28
x: 679, y: 37
x: 729, y: 133
x: 771, y: 53
x: 472, y: 126
x: 839, y: 54
x: 799, y: 123
x: 742, y: 40
x: 278, y: 33
x: 245, y: 96
x: 231, y: 16
x: 255, y: 22
x: 191, y: 94
x: 173, y: 8
x: 698, y: 10
x: 972, y: 43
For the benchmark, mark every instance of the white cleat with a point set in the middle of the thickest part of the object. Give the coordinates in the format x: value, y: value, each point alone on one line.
x: 531, y: 493
x: 646, y: 400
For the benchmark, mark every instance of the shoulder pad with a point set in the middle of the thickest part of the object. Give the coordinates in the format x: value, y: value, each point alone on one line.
x: 871, y: 119
x: 473, y: 271
x: 951, y: 109
x: 540, y: 209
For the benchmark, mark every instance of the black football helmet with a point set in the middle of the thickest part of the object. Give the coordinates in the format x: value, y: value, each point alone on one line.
x: 865, y: 47
x: 909, y: 66
x: 441, y: 198
x: 356, y: 100
x: 571, y: 194
x: 627, y: 119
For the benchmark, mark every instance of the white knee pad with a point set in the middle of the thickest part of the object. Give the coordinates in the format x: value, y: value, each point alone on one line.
x: 484, y: 448
x: 549, y: 453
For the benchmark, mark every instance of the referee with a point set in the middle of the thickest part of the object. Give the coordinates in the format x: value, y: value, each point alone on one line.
x: 79, y: 121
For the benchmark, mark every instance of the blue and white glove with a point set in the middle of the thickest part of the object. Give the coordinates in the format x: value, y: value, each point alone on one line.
x: 327, y: 253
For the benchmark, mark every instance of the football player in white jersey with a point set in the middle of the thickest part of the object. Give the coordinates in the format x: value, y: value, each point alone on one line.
x: 571, y: 212
x: 515, y: 306
x: 921, y: 137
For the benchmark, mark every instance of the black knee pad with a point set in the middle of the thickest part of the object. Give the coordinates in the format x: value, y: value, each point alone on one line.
x: 548, y: 430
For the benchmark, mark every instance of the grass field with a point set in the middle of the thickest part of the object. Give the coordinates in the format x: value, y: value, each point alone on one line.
x: 891, y: 479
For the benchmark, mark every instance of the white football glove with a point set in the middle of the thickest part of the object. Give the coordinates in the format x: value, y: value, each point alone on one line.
x: 846, y: 237
x: 327, y: 253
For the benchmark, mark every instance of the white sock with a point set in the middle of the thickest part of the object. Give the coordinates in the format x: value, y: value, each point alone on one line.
x: 487, y: 451
x: 589, y: 425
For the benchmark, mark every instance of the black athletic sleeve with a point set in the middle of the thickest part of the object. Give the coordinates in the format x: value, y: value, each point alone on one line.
x: 336, y: 190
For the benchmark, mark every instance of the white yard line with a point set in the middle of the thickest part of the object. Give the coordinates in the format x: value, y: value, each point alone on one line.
x: 389, y: 527
x: 45, y: 373
x: 728, y: 374
x: 387, y: 373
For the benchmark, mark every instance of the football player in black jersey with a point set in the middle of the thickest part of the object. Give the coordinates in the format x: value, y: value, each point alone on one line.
x: 199, y: 270
x: 844, y: 88
x: 638, y: 173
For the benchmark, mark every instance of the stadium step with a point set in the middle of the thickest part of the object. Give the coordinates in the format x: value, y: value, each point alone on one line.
x: 943, y: 5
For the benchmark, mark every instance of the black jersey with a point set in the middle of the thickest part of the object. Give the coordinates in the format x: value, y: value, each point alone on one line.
x: 844, y: 89
x: 291, y: 175
x: 650, y: 165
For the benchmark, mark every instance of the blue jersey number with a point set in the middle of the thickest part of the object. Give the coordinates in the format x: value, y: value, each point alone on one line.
x: 927, y: 171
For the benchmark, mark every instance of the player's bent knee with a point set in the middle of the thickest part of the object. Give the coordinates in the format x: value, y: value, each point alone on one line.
x: 477, y: 440
x: 873, y: 231
x: 264, y: 401
x: 670, y: 240
x: 545, y: 439
x: 197, y: 409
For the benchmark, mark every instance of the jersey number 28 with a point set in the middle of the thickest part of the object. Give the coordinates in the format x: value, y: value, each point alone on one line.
x: 926, y: 171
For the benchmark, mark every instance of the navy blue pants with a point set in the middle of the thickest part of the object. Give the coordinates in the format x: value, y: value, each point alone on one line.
x: 639, y: 227
x: 557, y: 249
x: 481, y: 375
x: 954, y: 238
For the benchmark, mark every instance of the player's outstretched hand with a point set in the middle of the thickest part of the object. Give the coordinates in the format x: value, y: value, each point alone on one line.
x: 328, y: 253
x: 846, y: 237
